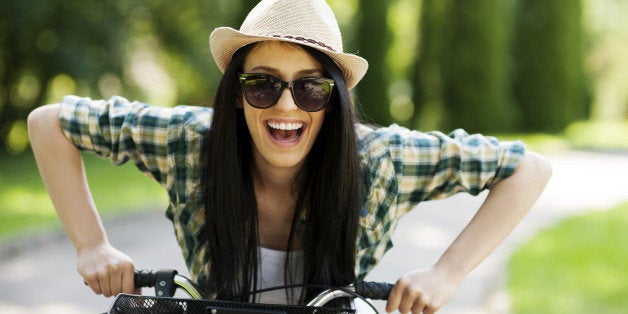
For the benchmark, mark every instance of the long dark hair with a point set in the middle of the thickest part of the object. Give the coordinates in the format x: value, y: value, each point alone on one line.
x: 329, y: 192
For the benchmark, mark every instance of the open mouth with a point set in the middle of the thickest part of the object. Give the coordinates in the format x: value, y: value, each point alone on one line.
x: 285, y: 132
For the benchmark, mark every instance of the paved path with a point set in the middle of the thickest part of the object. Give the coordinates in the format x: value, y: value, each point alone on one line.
x: 42, y: 278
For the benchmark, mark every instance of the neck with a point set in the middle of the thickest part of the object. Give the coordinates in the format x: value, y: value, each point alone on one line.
x: 274, y: 179
x: 276, y: 198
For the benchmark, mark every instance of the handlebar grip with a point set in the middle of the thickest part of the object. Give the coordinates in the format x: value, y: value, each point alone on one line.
x: 373, y: 290
x: 162, y: 280
x: 145, y: 278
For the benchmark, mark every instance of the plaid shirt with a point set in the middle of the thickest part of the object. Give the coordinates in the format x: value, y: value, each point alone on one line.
x: 402, y: 167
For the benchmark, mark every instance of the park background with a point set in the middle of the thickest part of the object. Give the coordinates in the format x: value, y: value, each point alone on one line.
x: 554, y: 73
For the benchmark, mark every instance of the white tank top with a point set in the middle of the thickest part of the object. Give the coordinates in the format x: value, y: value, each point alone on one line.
x: 271, y: 273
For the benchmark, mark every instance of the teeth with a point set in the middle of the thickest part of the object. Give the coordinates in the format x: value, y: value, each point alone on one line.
x: 285, y: 126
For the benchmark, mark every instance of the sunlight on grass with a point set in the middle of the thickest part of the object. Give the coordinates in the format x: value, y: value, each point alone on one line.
x: 27, y: 207
x: 604, y: 135
x: 579, y: 266
x: 26, y: 201
x: 539, y: 142
x: 584, y: 135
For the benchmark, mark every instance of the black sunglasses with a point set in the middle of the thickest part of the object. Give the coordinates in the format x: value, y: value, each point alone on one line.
x: 264, y: 90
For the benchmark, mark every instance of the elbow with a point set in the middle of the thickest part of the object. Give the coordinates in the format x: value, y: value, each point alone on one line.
x: 539, y: 167
x: 41, y: 121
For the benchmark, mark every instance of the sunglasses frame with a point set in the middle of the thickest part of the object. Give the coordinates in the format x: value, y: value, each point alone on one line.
x: 242, y: 77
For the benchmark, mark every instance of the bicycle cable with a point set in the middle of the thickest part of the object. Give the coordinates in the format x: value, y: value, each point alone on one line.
x: 343, y: 289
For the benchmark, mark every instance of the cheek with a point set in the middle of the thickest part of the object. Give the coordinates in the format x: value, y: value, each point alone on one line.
x: 251, y: 115
x: 317, y: 121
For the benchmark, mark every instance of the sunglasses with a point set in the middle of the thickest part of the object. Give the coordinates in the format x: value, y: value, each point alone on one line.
x: 264, y: 90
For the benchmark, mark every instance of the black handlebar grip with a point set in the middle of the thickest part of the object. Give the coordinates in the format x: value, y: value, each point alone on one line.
x: 145, y: 278
x: 373, y: 290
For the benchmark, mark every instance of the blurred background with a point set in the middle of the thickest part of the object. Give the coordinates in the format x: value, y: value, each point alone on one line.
x: 554, y: 73
x: 484, y: 65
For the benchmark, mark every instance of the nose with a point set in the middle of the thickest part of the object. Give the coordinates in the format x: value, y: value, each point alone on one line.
x: 286, y: 101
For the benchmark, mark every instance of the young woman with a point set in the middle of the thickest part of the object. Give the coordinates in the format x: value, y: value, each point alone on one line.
x: 278, y: 182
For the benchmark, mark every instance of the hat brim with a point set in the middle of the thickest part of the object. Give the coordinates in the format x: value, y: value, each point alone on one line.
x: 225, y: 41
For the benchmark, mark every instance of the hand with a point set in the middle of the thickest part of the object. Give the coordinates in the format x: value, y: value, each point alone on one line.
x: 106, y: 270
x: 422, y: 291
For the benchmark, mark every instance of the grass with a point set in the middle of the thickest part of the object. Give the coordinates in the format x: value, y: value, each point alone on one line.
x: 579, y: 266
x: 539, y: 142
x: 598, y: 135
x: 601, y: 136
x: 26, y: 207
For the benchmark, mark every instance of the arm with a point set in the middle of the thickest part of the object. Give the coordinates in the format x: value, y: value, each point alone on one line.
x: 102, y: 267
x: 506, y: 204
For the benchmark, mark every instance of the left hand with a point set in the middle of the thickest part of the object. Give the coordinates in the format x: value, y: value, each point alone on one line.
x: 422, y: 291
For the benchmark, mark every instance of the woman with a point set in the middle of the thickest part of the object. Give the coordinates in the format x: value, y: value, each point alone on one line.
x: 278, y: 182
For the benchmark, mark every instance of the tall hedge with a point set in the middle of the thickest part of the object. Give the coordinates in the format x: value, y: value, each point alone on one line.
x: 373, y: 41
x: 426, y: 74
x: 549, y: 82
x: 475, y: 67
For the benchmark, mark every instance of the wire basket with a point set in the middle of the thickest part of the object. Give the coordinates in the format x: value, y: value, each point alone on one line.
x: 132, y: 304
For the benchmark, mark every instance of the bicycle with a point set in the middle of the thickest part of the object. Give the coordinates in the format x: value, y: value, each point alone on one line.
x: 166, y: 282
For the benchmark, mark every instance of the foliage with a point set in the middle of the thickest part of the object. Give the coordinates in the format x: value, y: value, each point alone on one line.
x: 426, y: 75
x: 373, y: 40
x: 25, y: 202
x: 475, y: 63
x: 579, y: 266
x: 155, y: 50
x: 455, y: 67
x: 41, y: 40
x: 549, y: 82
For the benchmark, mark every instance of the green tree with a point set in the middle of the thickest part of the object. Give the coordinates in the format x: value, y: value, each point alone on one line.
x: 373, y: 41
x: 549, y: 81
x: 95, y: 44
x: 475, y: 62
x: 426, y: 75
x: 40, y: 40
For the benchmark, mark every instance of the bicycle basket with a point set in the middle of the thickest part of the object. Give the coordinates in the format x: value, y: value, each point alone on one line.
x: 138, y: 304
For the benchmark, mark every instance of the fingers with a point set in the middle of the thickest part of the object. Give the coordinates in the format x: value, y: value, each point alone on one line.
x: 128, y: 284
x: 394, y: 298
x: 111, y: 280
x: 105, y: 287
x: 106, y: 270
x: 405, y: 299
x: 92, y: 282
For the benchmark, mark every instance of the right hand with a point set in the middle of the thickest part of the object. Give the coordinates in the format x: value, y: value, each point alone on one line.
x: 106, y: 270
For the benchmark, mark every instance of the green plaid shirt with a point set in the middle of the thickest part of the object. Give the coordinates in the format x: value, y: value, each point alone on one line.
x: 402, y: 167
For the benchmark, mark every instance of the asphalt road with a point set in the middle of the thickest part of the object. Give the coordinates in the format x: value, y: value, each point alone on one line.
x: 38, y: 274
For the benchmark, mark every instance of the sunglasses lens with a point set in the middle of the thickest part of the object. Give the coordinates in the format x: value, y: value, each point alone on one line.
x: 312, y: 94
x: 261, y: 91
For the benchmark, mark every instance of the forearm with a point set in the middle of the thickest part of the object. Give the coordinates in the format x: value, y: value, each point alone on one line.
x: 506, y: 204
x: 61, y: 168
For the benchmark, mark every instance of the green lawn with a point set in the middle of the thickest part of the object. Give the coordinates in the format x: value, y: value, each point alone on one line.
x: 579, y: 266
x: 25, y: 206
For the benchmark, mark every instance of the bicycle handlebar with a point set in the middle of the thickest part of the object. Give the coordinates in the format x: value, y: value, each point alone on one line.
x: 373, y: 290
x: 166, y: 281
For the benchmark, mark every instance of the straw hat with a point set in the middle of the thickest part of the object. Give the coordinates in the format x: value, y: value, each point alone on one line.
x: 306, y: 22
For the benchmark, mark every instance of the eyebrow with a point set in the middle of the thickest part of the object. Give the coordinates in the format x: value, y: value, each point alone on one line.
x: 274, y: 71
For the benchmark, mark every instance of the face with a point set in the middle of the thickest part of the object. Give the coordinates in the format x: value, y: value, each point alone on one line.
x: 282, y: 134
